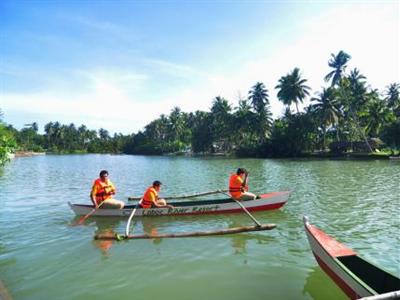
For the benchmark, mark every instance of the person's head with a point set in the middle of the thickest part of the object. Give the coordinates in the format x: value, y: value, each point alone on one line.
x: 103, y: 174
x: 157, y: 185
x: 241, y: 171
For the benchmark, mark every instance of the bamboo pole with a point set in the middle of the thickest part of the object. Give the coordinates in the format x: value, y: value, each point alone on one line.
x: 244, y: 209
x: 130, y: 219
x: 183, y: 196
x: 233, y: 230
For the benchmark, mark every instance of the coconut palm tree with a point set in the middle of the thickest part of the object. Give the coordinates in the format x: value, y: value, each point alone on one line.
x: 353, y: 96
x: 327, y: 108
x: 292, y: 89
x: 258, y: 97
x: 176, y: 122
x: 393, y: 97
x: 378, y: 115
x: 244, y: 122
x: 221, y: 121
x: 338, y: 63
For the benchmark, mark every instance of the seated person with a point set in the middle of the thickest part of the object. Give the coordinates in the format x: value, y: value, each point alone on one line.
x: 150, y: 198
x: 238, y: 188
x: 102, y: 192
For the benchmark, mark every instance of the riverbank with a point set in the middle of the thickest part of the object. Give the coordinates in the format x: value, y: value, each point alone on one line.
x: 28, y: 153
x: 350, y: 155
x: 314, y: 155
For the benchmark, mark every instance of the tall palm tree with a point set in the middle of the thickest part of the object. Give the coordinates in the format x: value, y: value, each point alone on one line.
x: 221, y: 121
x: 338, y: 63
x: 393, y: 97
x: 327, y: 108
x: 176, y: 123
x: 258, y: 97
x: 353, y: 97
x: 356, y: 77
x: 292, y: 89
x: 378, y: 115
x: 103, y: 134
x: 244, y: 120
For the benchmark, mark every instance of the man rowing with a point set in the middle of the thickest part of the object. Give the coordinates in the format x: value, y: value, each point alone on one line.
x: 150, y: 198
x: 238, y: 188
x: 102, y: 192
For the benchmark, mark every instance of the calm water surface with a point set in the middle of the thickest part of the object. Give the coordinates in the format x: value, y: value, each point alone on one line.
x: 43, y: 257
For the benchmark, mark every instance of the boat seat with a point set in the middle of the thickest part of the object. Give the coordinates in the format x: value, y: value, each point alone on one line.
x: 379, y: 280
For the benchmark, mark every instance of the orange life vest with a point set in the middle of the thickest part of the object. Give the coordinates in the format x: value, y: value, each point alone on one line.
x: 149, y: 196
x: 104, y: 190
x: 235, y: 186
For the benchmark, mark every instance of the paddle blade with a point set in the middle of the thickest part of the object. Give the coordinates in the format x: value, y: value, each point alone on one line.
x: 83, y: 218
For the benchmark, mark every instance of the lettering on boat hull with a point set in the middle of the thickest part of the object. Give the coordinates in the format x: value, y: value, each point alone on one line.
x: 179, y: 210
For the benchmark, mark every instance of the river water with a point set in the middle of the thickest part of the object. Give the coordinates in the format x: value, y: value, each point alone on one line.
x: 43, y: 257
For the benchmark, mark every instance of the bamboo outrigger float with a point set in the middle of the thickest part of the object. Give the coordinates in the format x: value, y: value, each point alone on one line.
x: 233, y: 230
x: 354, y: 275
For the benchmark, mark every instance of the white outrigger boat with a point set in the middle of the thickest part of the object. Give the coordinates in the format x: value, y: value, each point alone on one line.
x: 269, y: 201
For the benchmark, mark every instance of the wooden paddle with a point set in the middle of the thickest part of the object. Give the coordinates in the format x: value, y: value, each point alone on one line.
x: 82, y: 219
x: 184, y: 196
x: 244, y: 209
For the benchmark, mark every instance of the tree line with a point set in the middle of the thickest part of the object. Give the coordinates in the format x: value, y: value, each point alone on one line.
x: 347, y: 114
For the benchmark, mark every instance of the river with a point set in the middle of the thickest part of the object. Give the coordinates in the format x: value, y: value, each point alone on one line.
x: 43, y: 257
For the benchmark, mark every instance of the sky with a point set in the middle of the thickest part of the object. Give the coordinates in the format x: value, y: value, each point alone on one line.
x: 119, y: 65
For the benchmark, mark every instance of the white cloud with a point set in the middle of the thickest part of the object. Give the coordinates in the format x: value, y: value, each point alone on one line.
x: 369, y: 33
x: 125, y: 100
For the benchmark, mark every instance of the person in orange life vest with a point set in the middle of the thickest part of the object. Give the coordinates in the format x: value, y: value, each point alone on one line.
x: 102, y: 192
x: 150, y: 198
x: 238, y: 188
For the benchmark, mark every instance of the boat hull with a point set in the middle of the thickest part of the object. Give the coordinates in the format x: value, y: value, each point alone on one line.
x: 268, y: 201
x: 334, y: 257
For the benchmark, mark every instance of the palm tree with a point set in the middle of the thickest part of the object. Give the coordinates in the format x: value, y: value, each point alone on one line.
x: 221, y: 121
x: 176, y: 123
x: 353, y: 97
x: 244, y: 120
x: 292, y: 89
x: 338, y: 63
x: 393, y: 97
x: 378, y: 115
x: 82, y: 136
x: 258, y: 97
x: 104, y: 135
x: 326, y: 107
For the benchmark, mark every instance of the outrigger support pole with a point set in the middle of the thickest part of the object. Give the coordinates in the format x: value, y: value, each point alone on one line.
x: 233, y: 230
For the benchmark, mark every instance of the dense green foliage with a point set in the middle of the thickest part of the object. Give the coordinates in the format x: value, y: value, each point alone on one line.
x: 7, y: 141
x: 343, y: 116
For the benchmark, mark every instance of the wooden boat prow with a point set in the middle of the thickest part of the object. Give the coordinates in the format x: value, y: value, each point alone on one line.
x: 354, y: 275
x: 332, y: 246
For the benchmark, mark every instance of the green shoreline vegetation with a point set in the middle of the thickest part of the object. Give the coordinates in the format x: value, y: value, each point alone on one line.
x: 346, y: 118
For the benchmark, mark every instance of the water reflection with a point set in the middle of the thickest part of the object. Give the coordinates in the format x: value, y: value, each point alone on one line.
x: 239, y: 241
x: 163, y: 225
x: 319, y: 286
x: 113, y: 226
x: 107, y: 226
x: 150, y: 228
